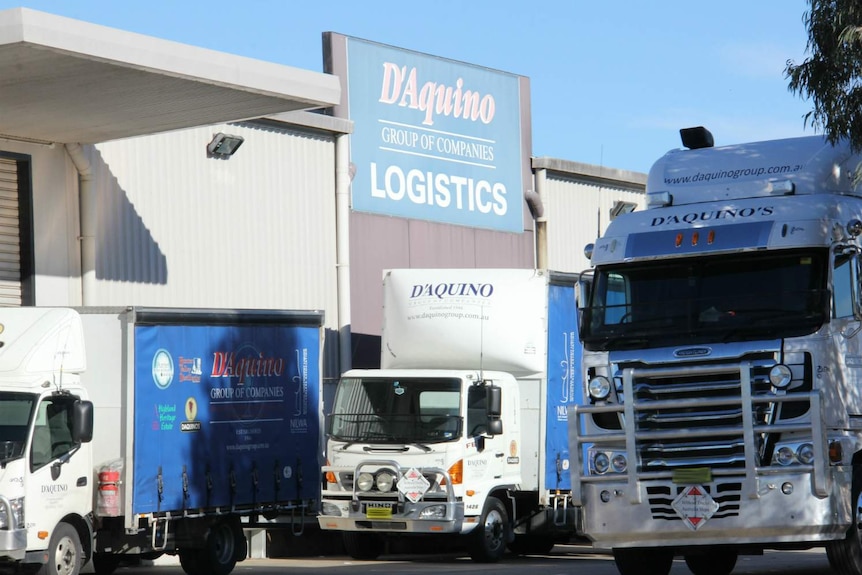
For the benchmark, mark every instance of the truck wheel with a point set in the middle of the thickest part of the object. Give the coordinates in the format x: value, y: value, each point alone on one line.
x: 845, y: 555
x: 65, y: 554
x: 106, y: 563
x: 489, y: 539
x: 224, y: 541
x: 362, y: 546
x: 651, y: 561
x: 720, y: 561
x: 193, y: 561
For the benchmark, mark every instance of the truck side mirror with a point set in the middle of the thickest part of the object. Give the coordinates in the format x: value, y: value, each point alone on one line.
x: 495, y: 401
x: 82, y: 421
x: 582, y: 296
x: 495, y: 410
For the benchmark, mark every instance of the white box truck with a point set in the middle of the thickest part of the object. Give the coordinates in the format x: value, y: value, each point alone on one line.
x: 722, y: 327
x: 134, y: 432
x: 463, y: 429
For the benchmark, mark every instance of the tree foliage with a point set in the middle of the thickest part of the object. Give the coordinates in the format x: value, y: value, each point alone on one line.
x: 831, y: 75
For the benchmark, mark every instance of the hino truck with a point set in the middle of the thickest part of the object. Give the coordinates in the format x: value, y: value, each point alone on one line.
x: 132, y: 432
x: 463, y: 429
x: 722, y: 363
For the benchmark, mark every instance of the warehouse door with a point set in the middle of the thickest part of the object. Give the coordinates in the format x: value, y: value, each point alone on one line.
x: 10, y: 234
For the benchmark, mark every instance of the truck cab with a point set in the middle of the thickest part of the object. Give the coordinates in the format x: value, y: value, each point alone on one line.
x: 402, y: 445
x: 721, y: 330
x: 46, y: 483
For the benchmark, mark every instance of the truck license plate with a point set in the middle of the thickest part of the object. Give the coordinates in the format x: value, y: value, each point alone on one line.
x: 378, y: 510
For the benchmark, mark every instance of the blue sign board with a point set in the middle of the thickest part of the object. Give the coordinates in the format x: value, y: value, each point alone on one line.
x: 434, y: 139
x: 564, y: 383
x: 225, y: 415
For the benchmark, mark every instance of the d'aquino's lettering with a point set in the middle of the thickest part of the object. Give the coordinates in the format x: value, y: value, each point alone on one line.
x: 713, y: 215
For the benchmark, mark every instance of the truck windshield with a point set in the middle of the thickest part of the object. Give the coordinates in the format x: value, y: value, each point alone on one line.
x: 742, y: 296
x: 396, y: 410
x: 15, y: 413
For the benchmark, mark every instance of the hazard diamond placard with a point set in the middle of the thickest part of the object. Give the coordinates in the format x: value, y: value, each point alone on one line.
x: 695, y: 506
x: 413, y: 485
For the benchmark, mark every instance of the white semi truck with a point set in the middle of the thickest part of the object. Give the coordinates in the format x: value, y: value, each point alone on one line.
x: 463, y: 429
x: 133, y: 432
x: 722, y: 367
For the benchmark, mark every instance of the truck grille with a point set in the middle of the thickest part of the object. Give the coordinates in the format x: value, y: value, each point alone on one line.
x: 695, y: 417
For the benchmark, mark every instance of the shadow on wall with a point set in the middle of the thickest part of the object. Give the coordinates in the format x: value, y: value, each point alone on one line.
x: 125, y: 248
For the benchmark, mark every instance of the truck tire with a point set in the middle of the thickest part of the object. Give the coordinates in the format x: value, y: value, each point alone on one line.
x: 363, y: 546
x: 489, y: 539
x: 646, y: 561
x: 106, y: 563
x: 715, y: 561
x: 193, y: 562
x: 845, y: 555
x: 65, y: 554
x: 224, y: 541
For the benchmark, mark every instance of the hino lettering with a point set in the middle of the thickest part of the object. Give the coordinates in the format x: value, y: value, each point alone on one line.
x: 720, y: 407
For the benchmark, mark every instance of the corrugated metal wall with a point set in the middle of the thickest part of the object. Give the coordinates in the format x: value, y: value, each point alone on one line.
x: 255, y: 231
x: 578, y: 199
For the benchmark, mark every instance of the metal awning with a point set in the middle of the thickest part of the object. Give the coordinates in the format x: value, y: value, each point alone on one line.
x: 64, y: 81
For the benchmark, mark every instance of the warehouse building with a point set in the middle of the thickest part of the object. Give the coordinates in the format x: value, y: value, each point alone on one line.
x: 142, y: 172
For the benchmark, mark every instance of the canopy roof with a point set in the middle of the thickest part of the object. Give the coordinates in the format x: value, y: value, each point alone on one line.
x: 64, y: 81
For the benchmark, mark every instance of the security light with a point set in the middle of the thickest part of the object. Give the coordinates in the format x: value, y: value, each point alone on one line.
x: 223, y: 145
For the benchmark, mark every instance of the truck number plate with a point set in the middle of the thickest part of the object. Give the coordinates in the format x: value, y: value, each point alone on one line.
x: 378, y: 510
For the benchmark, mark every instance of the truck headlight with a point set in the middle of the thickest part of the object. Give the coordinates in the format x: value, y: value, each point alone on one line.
x: 365, y: 482
x: 780, y: 376
x: 784, y: 456
x: 599, y: 387
x: 330, y: 509
x: 17, y: 514
x: 805, y: 454
x: 385, y: 481
x: 433, y: 512
x: 607, y: 461
x: 601, y: 463
x: 794, y: 454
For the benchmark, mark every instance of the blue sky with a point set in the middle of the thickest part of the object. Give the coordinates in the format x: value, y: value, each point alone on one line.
x: 611, y: 81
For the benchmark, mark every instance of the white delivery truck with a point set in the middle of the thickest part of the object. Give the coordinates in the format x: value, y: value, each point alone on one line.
x: 133, y: 432
x: 463, y: 429
x: 722, y: 329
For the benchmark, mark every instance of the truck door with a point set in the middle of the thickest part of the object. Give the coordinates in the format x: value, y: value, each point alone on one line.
x: 59, y: 480
x: 846, y: 314
x: 489, y: 463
